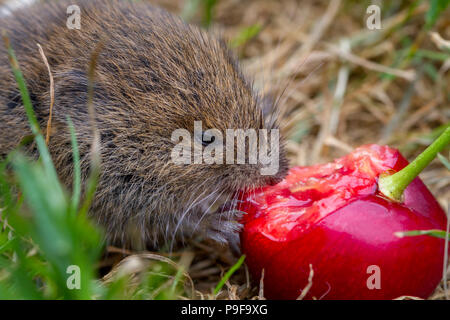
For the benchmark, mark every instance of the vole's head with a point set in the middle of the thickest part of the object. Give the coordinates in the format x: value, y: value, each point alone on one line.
x: 196, y: 134
x: 214, y: 123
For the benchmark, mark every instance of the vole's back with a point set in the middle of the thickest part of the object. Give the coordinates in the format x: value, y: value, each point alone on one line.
x: 155, y: 74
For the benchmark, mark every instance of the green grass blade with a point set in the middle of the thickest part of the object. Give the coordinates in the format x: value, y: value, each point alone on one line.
x: 245, y: 35
x: 76, y: 168
x: 436, y: 8
x: 230, y: 272
x: 434, y: 233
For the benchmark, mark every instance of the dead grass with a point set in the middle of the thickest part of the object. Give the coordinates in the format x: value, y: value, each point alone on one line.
x: 330, y: 67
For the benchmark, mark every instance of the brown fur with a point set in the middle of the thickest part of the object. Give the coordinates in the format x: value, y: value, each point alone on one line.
x: 155, y: 74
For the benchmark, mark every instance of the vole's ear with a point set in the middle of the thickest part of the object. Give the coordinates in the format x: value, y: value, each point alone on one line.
x: 70, y: 99
x: 71, y: 95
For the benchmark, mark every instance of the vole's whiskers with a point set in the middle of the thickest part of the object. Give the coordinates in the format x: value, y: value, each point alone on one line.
x: 206, y: 211
x: 183, y: 215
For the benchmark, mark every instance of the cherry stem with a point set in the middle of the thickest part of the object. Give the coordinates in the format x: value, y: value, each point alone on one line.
x: 393, y: 185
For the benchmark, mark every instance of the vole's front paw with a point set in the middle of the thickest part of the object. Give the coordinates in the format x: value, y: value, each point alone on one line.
x: 224, y: 228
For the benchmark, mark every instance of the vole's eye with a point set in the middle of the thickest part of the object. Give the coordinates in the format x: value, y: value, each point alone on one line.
x: 206, y: 139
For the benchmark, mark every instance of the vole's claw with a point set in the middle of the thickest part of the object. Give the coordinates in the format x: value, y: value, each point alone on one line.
x: 224, y: 228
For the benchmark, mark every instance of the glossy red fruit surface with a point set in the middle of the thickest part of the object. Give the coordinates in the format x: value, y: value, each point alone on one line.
x: 333, y: 218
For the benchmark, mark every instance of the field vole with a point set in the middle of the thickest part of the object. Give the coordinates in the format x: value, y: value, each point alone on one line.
x: 155, y: 74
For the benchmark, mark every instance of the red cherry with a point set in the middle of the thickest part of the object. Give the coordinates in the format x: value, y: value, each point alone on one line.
x: 332, y: 217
